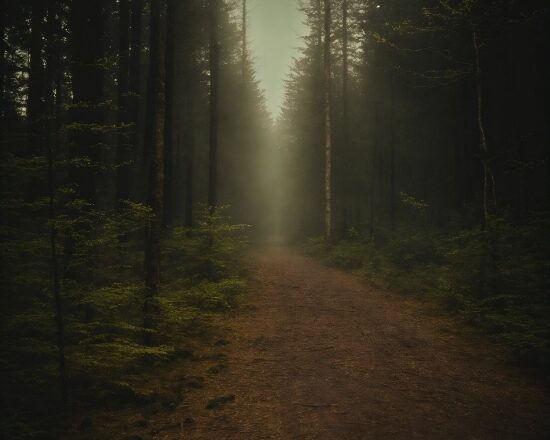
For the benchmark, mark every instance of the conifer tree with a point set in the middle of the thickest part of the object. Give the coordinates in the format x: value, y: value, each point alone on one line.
x: 156, y: 173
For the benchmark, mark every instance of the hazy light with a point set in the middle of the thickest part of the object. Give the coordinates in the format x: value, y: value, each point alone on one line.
x: 276, y: 29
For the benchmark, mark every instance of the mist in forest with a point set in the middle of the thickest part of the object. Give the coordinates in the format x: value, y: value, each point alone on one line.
x: 276, y: 31
x: 152, y: 151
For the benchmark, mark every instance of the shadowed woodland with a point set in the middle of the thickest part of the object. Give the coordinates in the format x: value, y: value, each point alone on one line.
x: 140, y: 165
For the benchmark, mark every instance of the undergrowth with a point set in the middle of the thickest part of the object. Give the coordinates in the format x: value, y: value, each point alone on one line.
x: 496, y: 279
x: 102, y: 298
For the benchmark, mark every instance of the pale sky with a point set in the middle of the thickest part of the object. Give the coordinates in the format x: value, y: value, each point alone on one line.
x: 275, y: 33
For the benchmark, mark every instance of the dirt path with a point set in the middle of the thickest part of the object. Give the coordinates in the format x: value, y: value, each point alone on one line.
x: 320, y: 356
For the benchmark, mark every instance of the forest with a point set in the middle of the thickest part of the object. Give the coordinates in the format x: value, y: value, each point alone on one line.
x: 150, y: 201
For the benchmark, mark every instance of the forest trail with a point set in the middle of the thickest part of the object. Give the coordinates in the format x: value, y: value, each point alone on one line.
x: 318, y: 355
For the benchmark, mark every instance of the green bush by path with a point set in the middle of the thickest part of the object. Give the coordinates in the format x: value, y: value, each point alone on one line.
x: 497, y: 279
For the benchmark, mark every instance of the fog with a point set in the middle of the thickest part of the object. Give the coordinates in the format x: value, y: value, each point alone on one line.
x: 276, y: 30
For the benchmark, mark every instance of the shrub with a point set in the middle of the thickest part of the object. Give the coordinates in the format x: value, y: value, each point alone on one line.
x: 497, y: 278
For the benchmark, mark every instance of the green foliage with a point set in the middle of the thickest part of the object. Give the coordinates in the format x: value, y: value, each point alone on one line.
x: 348, y: 254
x: 59, y: 169
x: 102, y: 294
x: 216, y: 296
x: 495, y: 278
x: 212, y: 250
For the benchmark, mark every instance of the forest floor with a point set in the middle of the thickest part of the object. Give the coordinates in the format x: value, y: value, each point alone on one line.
x: 315, y: 353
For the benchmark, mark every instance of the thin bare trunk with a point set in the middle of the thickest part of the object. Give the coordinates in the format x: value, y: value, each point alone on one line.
x: 88, y: 21
x: 134, y: 82
x: 328, y: 123
x: 156, y: 179
x: 123, y: 180
x: 345, y: 115
x: 189, y: 156
x: 214, y: 92
x: 345, y: 73
x: 489, y: 190
x: 392, y: 152
x: 3, y: 49
x: 191, y: 80
x: 54, y: 104
x: 35, y: 106
x: 169, y: 125
x: 374, y: 167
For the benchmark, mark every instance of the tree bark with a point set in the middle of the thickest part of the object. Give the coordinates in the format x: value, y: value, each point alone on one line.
x: 169, y: 124
x: 123, y: 147
x: 87, y: 23
x: 374, y: 167
x: 488, y: 192
x: 345, y: 74
x: 156, y: 175
x: 345, y: 116
x: 134, y: 82
x: 189, y: 154
x: 328, y: 122
x: 3, y: 50
x: 191, y: 80
x: 214, y: 102
x: 392, y: 152
x: 54, y: 105
x: 35, y: 104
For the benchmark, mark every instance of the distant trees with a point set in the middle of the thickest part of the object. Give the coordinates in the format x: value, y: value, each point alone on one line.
x: 345, y: 74
x: 327, y: 54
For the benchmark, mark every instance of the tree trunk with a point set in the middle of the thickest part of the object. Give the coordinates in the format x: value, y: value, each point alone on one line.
x: 488, y: 191
x: 134, y: 82
x: 156, y: 176
x: 35, y: 104
x: 191, y: 82
x: 328, y: 123
x: 123, y: 147
x: 87, y: 23
x: 392, y: 152
x: 189, y: 153
x: 54, y: 105
x: 169, y: 124
x: 345, y: 116
x: 374, y: 167
x: 345, y: 74
x: 214, y: 97
x: 3, y: 50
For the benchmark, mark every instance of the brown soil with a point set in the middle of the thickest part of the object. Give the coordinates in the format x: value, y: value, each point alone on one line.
x: 319, y: 355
